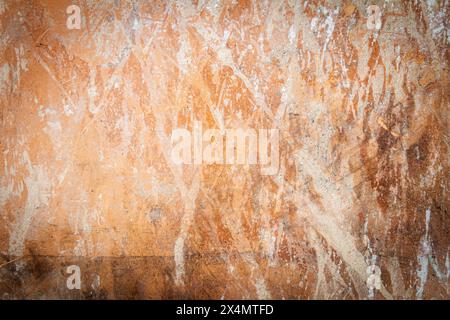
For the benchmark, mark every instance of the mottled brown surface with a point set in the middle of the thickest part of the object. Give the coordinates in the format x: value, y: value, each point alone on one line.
x: 86, y: 177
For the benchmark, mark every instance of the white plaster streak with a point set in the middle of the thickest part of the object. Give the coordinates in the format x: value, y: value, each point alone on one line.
x: 423, y: 257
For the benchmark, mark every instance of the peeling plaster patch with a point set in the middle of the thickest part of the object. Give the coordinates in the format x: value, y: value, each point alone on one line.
x: 4, y: 77
x: 127, y: 133
x: 155, y: 215
x: 3, y: 6
x: 23, y: 61
x: 92, y: 92
x: 437, y: 19
x: 183, y: 55
x: 261, y: 289
x: 292, y: 34
x: 79, y: 250
x: 54, y: 130
x: 269, y: 241
x: 329, y: 24
x: 38, y: 188
x: 68, y: 110
x: 96, y: 282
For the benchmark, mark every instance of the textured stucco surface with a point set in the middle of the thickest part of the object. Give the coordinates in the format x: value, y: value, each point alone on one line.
x: 86, y: 177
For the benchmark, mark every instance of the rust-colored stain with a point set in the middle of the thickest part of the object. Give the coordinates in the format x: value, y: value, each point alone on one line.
x: 87, y: 179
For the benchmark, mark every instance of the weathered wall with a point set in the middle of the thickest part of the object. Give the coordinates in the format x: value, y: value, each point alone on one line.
x: 87, y: 179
